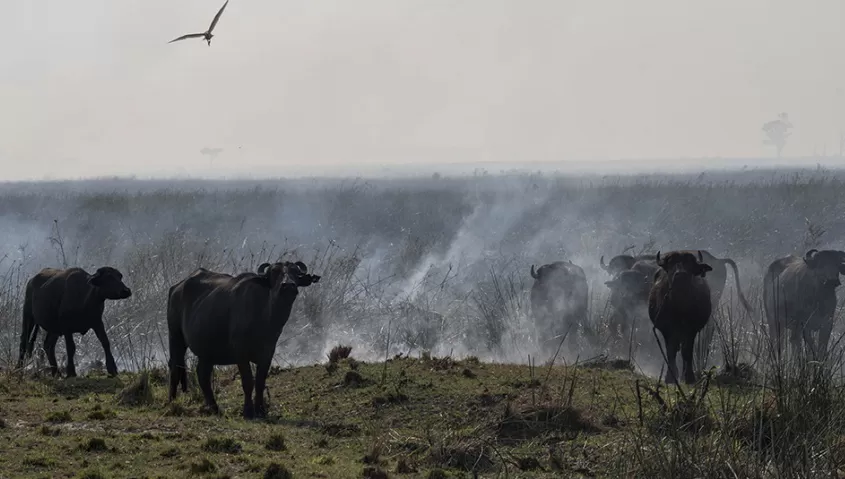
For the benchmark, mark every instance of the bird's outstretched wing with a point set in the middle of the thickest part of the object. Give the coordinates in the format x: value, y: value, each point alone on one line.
x: 190, y: 35
x: 217, y: 17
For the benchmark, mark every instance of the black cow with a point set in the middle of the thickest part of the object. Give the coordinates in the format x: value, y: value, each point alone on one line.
x: 559, y: 298
x: 629, y: 292
x: 716, y: 280
x: 679, y: 307
x: 800, y: 297
x: 226, y: 319
x: 68, y: 301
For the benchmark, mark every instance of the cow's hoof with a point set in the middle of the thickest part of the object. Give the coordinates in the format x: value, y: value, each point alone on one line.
x: 249, y: 412
x: 261, y: 413
x: 211, y: 410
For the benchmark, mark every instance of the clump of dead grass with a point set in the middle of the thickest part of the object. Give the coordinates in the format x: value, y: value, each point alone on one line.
x: 138, y: 393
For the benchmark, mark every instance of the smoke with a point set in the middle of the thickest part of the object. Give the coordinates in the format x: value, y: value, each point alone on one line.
x: 410, y: 265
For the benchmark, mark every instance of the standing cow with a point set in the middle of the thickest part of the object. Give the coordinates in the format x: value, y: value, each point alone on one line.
x: 716, y: 280
x: 226, y: 319
x: 800, y: 297
x: 67, y: 301
x: 629, y: 292
x: 679, y: 307
x: 559, y: 298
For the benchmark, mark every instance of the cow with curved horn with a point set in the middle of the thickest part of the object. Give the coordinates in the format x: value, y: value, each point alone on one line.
x: 800, y: 298
x: 225, y: 319
x: 559, y: 298
x: 679, y: 307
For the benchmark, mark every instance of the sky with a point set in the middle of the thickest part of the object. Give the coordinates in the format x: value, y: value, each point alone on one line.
x: 92, y: 88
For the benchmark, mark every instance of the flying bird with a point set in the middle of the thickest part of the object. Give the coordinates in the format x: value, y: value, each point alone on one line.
x: 207, y: 34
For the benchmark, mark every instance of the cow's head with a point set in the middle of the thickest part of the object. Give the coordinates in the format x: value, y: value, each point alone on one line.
x: 682, y: 266
x: 287, y: 276
x: 827, y: 264
x: 617, y: 264
x: 628, y: 285
x: 109, y: 283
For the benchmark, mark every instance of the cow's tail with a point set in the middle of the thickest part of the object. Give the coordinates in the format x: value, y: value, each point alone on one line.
x: 745, y: 303
x: 29, y: 330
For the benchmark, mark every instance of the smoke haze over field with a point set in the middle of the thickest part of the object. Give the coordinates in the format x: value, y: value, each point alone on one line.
x: 438, y: 264
x: 92, y: 88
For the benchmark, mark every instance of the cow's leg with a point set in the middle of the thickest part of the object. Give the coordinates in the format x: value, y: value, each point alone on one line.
x: 777, y: 336
x: 687, y: 349
x: 261, y: 372
x: 50, y: 349
x: 809, y: 343
x: 247, y: 383
x: 100, y: 331
x: 824, y: 336
x: 204, y: 370
x: 32, y: 338
x: 70, y: 348
x: 178, y: 368
x: 795, y: 337
x: 672, y: 346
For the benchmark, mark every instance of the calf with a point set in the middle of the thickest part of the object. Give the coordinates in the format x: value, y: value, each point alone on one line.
x: 68, y: 301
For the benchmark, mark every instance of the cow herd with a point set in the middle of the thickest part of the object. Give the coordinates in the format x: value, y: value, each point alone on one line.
x: 237, y: 320
x: 679, y: 290
x: 222, y: 319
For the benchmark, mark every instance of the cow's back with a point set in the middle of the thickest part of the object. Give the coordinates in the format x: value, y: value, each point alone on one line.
x: 53, y: 293
x: 216, y: 312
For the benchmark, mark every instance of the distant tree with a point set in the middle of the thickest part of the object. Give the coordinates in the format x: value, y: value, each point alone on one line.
x: 211, y: 153
x: 777, y: 131
x: 435, y: 176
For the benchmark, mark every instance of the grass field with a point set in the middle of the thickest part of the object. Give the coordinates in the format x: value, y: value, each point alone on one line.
x: 423, y: 268
x: 424, y: 417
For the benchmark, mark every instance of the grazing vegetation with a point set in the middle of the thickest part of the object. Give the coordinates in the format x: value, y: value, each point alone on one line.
x: 415, y: 355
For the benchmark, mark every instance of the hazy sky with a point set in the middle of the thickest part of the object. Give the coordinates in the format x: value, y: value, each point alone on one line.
x: 91, y: 87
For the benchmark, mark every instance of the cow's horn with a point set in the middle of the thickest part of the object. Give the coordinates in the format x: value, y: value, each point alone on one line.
x: 601, y: 263
x: 810, y: 253
x: 534, y: 274
x: 700, y: 257
x: 263, y: 267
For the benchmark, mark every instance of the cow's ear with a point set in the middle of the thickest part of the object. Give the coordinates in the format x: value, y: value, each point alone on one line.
x: 307, y: 280
x: 842, y: 268
x: 96, y: 279
x: 703, y: 269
